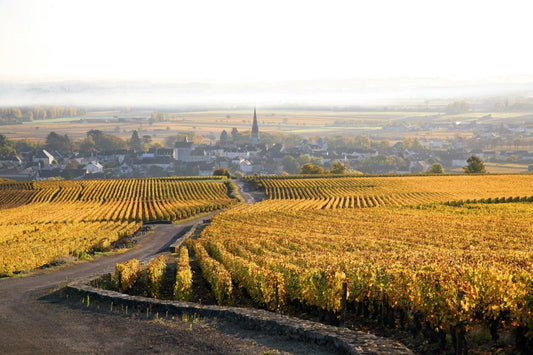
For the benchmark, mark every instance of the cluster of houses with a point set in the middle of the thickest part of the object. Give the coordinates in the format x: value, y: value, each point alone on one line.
x: 254, y: 157
x: 187, y: 158
x: 43, y: 165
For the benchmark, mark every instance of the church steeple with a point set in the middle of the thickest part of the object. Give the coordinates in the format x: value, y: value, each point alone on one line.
x: 255, y: 131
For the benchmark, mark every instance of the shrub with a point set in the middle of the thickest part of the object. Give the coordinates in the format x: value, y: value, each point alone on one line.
x: 155, y: 271
x: 126, y: 274
x: 183, y: 285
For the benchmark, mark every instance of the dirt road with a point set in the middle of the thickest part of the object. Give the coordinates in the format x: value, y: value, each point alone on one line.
x: 30, y: 324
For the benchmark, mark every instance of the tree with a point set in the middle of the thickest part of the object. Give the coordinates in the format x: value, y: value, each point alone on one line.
x: 311, y: 169
x: 96, y: 135
x: 317, y: 161
x: 458, y: 106
x: 475, y: 166
x: 382, y: 164
x: 16, y: 112
x: 222, y: 172
x: 88, y: 145
x: 304, y: 159
x: 29, y: 116
x: 56, y: 142
x: 104, y: 141
x: 224, y: 136
x: 290, y: 164
x: 435, y: 168
x: 136, y: 142
x: 7, y: 152
x: 338, y: 168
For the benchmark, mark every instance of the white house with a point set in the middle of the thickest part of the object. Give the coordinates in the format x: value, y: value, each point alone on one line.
x: 94, y: 167
x: 360, y: 154
x: 44, y: 159
x: 182, y: 150
x: 244, y: 165
x: 125, y: 169
x: 232, y: 154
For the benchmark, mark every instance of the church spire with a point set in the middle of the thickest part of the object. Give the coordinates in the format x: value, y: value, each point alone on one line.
x: 255, y: 131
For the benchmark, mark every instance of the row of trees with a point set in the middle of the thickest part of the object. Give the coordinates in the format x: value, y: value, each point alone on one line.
x: 30, y: 113
x: 336, y: 168
x: 292, y: 165
x: 381, y: 163
x: 307, y: 165
x: 363, y: 143
x: 95, y: 141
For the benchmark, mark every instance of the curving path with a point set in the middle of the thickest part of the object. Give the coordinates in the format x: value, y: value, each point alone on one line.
x: 32, y: 324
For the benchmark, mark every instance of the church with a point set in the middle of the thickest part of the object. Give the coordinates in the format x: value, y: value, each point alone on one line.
x: 254, y: 140
x: 254, y: 137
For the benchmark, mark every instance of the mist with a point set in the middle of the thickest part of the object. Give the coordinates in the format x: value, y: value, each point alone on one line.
x: 326, y: 92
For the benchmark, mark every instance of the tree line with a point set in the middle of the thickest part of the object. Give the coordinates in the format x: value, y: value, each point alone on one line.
x: 95, y: 141
x: 11, y: 115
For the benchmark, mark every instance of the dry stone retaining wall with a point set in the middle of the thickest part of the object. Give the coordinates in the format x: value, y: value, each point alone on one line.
x: 344, y: 340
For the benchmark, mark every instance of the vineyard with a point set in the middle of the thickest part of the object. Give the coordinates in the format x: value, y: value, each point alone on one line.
x: 41, y: 222
x: 359, y: 192
x: 440, y: 267
x: 439, y: 270
x: 439, y: 257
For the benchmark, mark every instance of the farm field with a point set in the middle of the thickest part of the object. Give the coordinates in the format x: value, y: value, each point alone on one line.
x: 447, y: 259
x: 210, y: 123
x: 443, y: 271
x: 42, y: 222
x: 506, y: 168
x: 350, y: 192
x: 428, y: 260
x: 206, y: 123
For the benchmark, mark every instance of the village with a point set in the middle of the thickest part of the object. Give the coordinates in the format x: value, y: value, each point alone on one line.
x: 253, y: 155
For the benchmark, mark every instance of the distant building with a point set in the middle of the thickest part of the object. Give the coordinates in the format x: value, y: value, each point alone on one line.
x: 206, y: 169
x: 244, y: 165
x: 51, y: 174
x: 255, y: 131
x: 418, y: 166
x: 182, y: 150
x: 44, y: 159
x: 94, y: 167
x: 13, y: 161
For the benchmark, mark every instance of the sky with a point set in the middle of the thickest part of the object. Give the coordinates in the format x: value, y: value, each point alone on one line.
x: 263, y: 41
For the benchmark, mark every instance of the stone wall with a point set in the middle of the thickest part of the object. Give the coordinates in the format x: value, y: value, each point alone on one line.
x: 344, y: 340
x: 174, y: 247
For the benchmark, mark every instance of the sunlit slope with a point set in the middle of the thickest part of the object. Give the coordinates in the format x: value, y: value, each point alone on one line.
x: 41, y: 222
x: 353, y: 192
x: 448, y: 265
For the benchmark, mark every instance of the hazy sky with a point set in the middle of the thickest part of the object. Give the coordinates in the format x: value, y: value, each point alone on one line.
x: 263, y: 40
